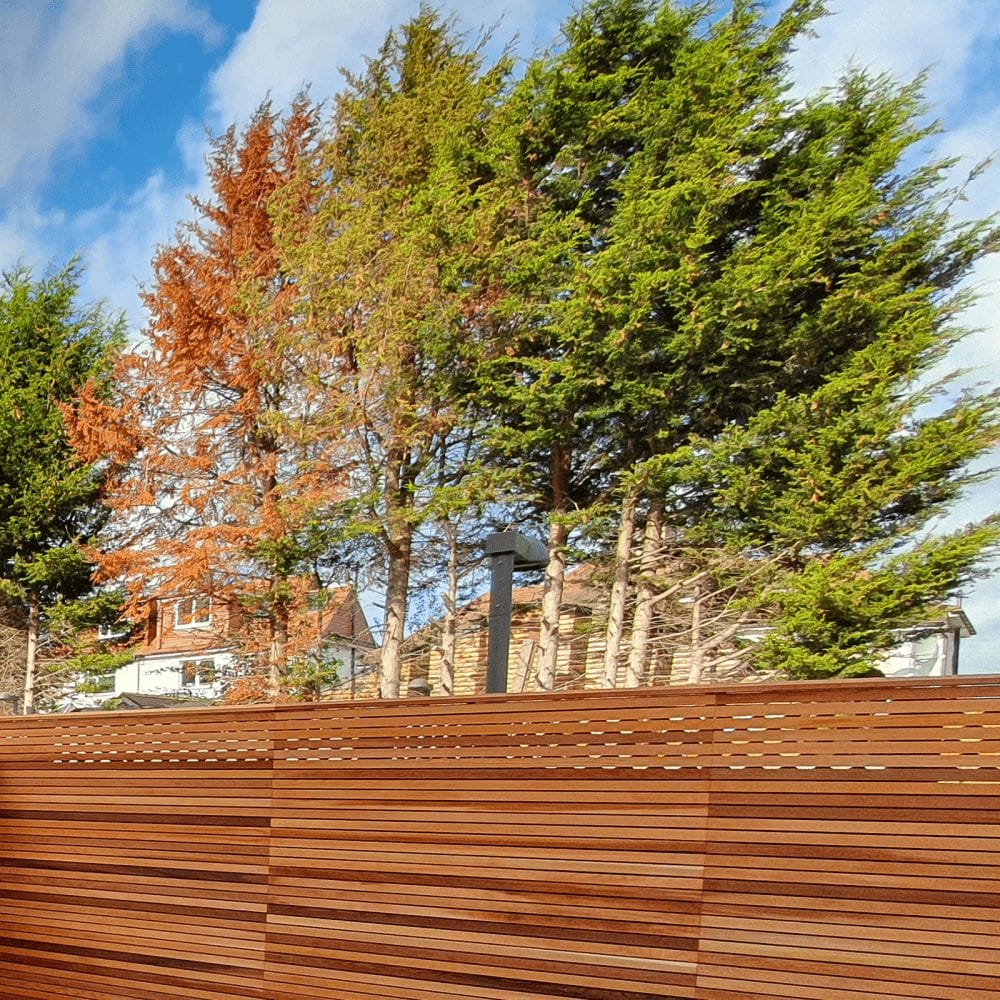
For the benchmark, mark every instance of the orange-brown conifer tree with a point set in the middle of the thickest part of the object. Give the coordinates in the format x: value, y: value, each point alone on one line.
x: 215, y: 476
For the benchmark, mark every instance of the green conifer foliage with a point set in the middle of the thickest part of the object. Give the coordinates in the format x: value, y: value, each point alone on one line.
x: 50, y: 505
x: 645, y: 144
x: 397, y: 276
x: 731, y: 302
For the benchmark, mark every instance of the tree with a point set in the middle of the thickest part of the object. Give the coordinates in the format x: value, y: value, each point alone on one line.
x: 732, y: 267
x: 400, y: 272
x: 215, y: 476
x: 50, y: 501
x: 844, y: 464
x: 639, y: 142
x: 844, y: 482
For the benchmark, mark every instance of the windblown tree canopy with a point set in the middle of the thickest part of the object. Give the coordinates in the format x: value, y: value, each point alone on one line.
x: 839, y: 299
x: 50, y: 500
x: 646, y: 144
x: 741, y: 267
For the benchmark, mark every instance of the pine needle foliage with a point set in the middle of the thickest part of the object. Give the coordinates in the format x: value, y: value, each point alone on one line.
x: 399, y: 274
x: 735, y: 301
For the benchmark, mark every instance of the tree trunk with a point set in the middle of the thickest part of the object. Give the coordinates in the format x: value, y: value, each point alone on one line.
x: 391, y: 660
x: 450, y: 627
x: 278, y: 651
x: 31, y: 657
x: 619, y: 592
x: 697, y: 648
x: 642, y: 617
x: 548, y: 633
x: 555, y: 572
x: 399, y: 549
x: 522, y: 666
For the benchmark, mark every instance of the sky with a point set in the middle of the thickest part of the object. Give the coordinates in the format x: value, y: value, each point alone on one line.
x: 108, y: 106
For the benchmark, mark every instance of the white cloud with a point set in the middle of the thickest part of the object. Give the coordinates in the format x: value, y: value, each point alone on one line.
x: 51, y: 70
x: 290, y: 43
x: 121, y: 239
x: 22, y: 236
x: 978, y: 654
x: 903, y: 37
x: 972, y: 142
x: 294, y: 43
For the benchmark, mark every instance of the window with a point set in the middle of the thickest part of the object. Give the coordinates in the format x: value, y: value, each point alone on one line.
x: 105, y: 633
x: 195, y: 672
x: 194, y: 611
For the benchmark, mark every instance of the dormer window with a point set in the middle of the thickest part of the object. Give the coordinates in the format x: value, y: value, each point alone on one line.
x: 194, y: 612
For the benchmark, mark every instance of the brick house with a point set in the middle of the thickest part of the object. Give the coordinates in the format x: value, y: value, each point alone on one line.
x: 188, y: 645
x: 928, y: 649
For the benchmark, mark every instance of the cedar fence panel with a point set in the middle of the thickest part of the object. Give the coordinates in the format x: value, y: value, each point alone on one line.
x: 816, y: 840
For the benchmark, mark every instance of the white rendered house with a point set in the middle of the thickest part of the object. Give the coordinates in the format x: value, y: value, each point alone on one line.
x: 188, y: 646
x: 929, y: 649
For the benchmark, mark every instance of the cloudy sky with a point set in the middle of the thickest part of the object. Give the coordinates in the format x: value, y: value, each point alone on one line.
x: 107, y: 105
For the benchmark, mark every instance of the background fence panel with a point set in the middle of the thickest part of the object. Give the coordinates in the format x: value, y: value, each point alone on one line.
x: 831, y: 841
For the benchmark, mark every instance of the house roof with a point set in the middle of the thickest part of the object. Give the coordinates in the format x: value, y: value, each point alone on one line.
x: 959, y: 620
x: 341, y: 618
x: 344, y: 618
x: 141, y: 701
x: 951, y: 619
x: 579, y: 591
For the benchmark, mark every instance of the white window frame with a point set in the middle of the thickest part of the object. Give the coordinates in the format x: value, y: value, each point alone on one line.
x: 200, y: 665
x: 196, y: 606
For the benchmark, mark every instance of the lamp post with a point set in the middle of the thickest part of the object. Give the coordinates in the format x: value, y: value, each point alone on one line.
x: 507, y: 551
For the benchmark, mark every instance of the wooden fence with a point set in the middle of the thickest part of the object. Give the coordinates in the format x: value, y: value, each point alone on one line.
x: 835, y: 841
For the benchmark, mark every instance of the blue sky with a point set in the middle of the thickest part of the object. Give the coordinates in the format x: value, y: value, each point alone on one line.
x: 107, y: 105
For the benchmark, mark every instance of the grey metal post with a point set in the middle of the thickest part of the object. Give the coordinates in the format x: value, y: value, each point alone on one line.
x: 501, y: 609
x: 508, y: 550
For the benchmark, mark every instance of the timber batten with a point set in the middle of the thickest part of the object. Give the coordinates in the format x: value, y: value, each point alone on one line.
x: 814, y: 840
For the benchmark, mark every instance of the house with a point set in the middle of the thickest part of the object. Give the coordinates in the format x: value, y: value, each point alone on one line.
x: 580, y: 663
x: 927, y: 649
x: 581, y: 651
x: 185, y: 646
x: 188, y: 646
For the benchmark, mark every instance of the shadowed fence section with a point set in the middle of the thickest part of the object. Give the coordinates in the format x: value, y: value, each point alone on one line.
x: 829, y: 841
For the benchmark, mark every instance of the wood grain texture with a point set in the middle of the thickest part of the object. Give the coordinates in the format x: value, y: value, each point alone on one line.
x: 819, y: 840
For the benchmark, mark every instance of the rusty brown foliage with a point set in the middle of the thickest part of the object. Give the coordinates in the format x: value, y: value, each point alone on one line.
x: 216, y: 470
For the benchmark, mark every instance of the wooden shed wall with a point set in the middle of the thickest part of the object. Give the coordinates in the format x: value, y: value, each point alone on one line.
x: 828, y: 841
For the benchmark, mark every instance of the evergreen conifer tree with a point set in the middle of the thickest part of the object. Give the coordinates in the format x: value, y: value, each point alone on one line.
x: 50, y: 501
x: 399, y: 271
x: 726, y: 262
